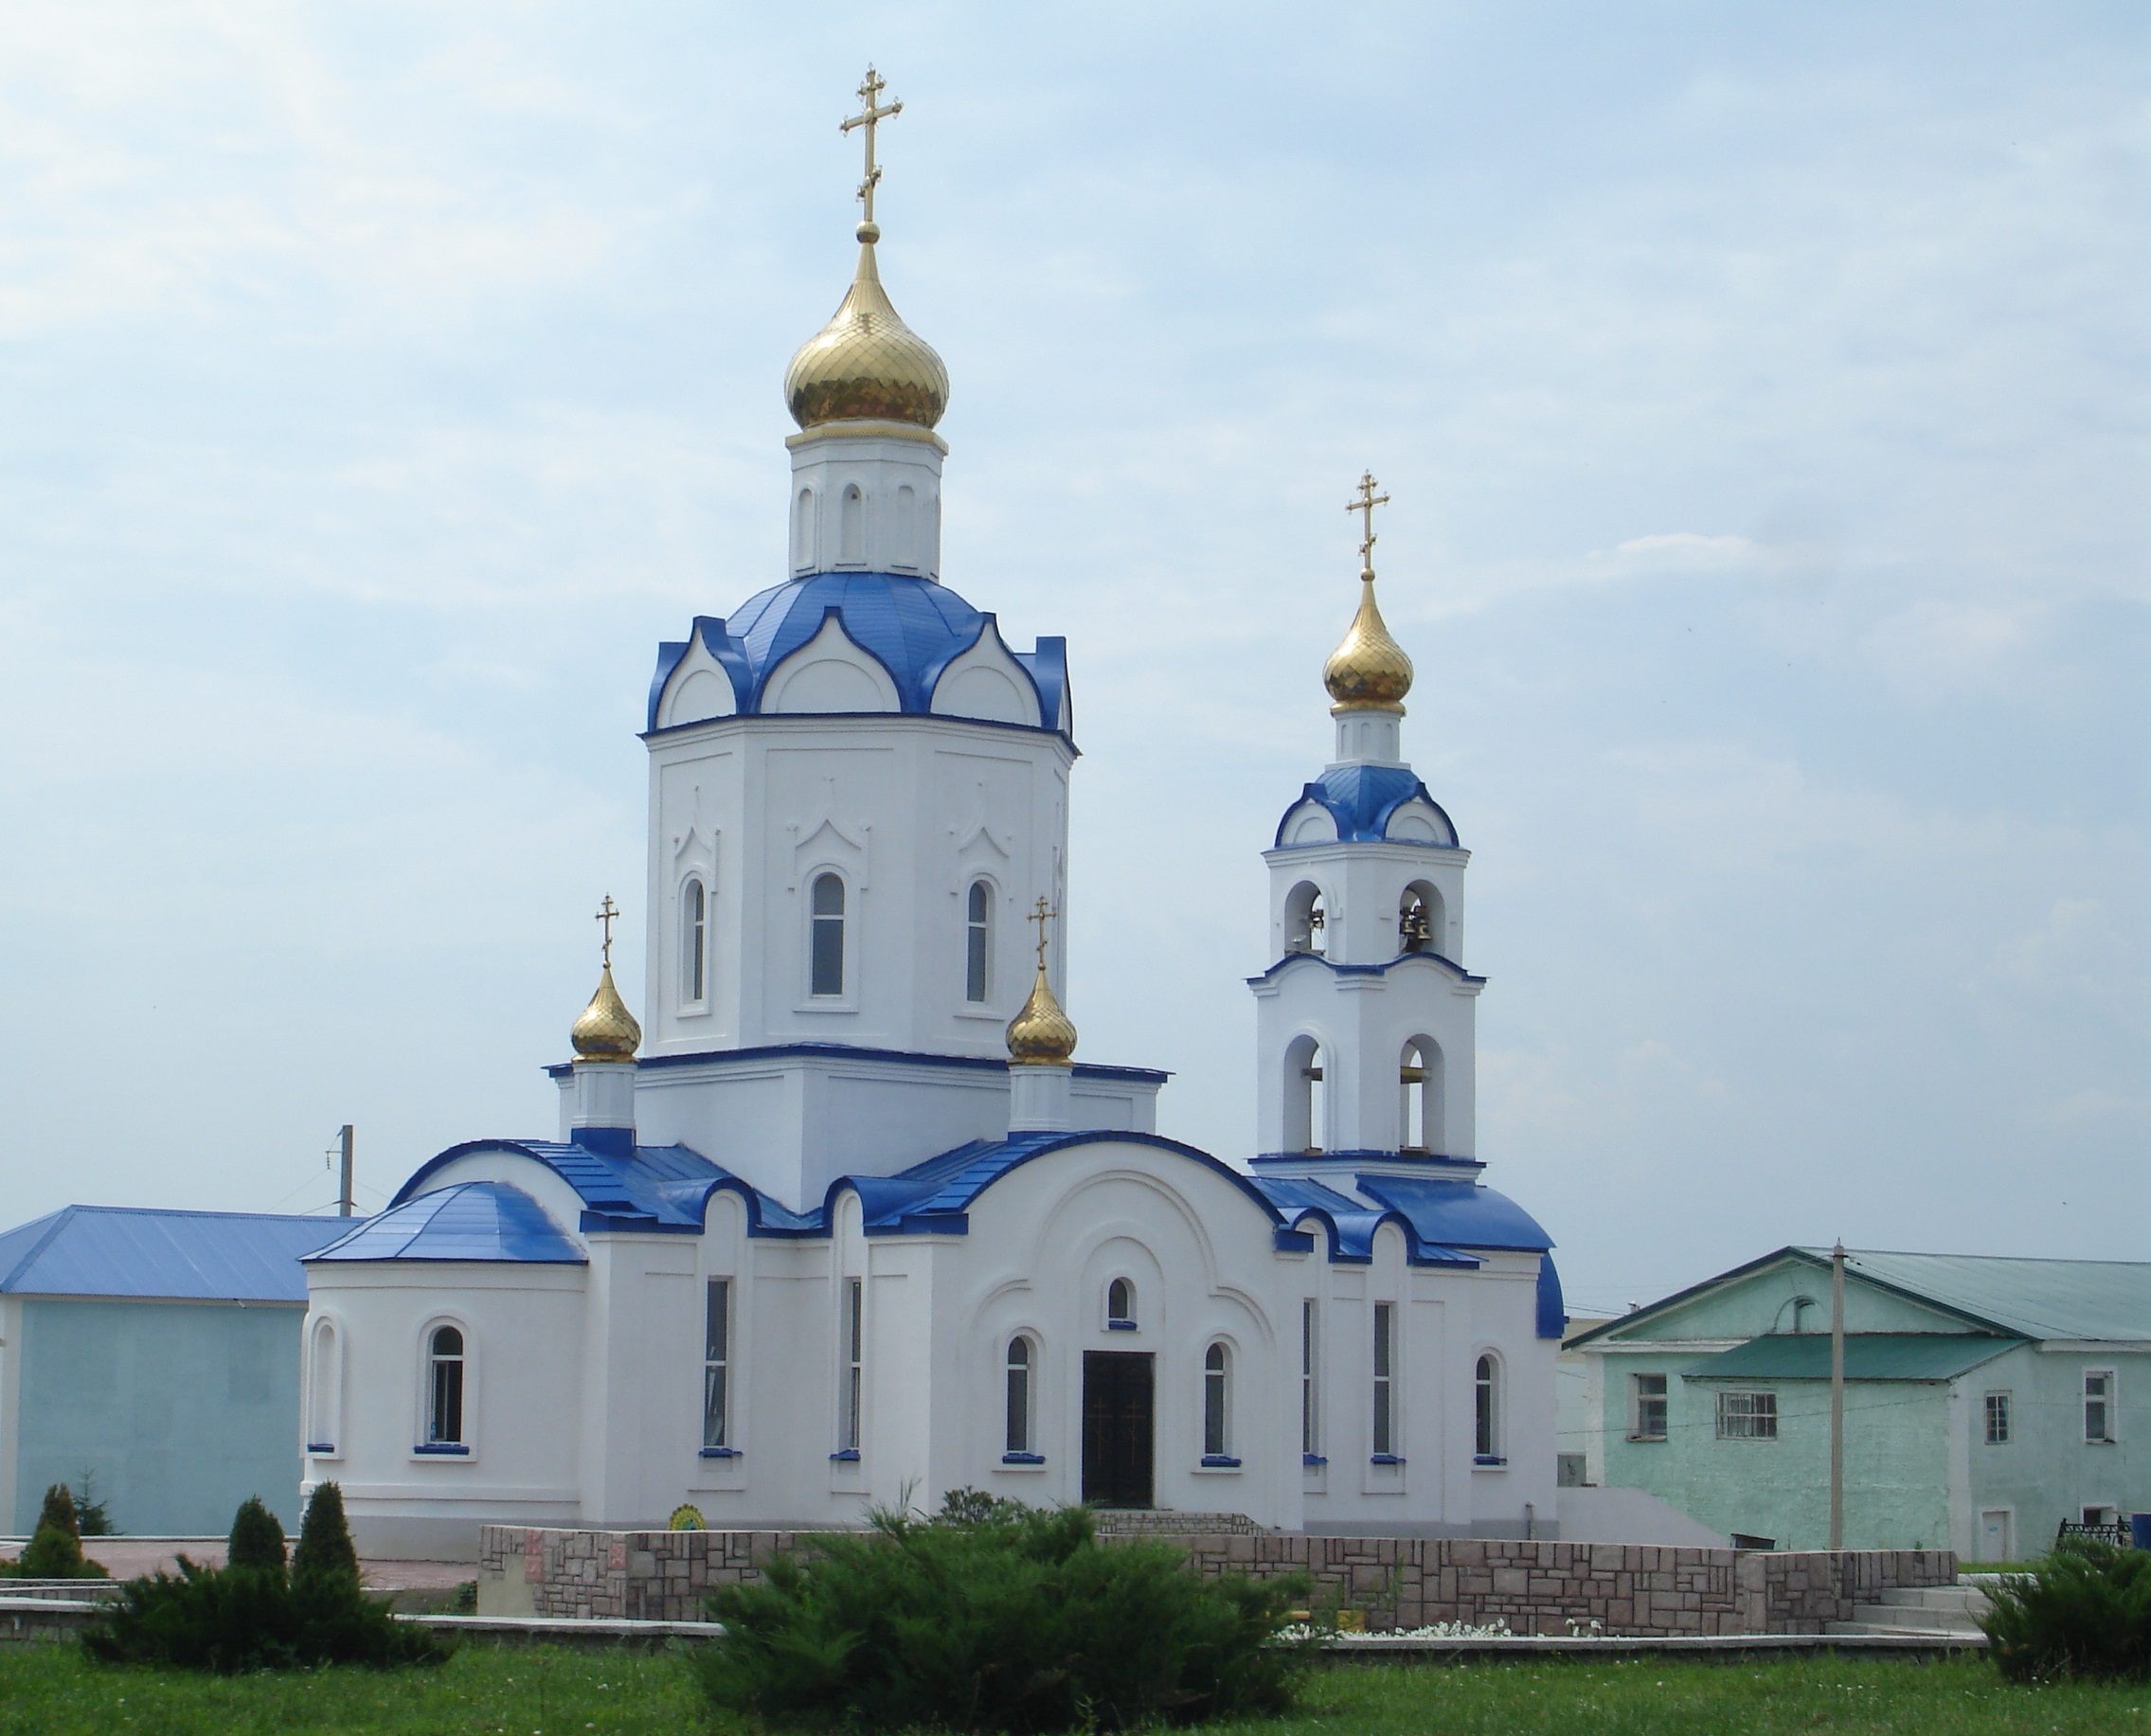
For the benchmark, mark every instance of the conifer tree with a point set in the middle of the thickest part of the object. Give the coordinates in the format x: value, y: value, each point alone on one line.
x: 325, y: 1547
x: 257, y: 1539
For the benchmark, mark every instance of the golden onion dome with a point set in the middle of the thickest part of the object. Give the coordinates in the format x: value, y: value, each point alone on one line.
x: 866, y: 364
x: 605, y: 1030
x: 1368, y: 671
x: 1041, y: 1035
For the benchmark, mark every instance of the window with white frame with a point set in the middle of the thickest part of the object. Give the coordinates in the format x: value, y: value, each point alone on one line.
x: 1997, y: 1419
x: 1217, y: 1373
x: 2099, y: 1405
x: 1306, y: 1109
x: 977, y: 936
x: 855, y: 1359
x: 825, y: 968
x: 1121, y: 1306
x: 694, y: 941
x: 1747, y: 1416
x: 1020, y: 1358
x: 1309, y: 1395
x: 1646, y: 1419
x: 717, y: 1364
x: 1486, y: 1410
x: 1384, y: 1432
x: 444, y: 1387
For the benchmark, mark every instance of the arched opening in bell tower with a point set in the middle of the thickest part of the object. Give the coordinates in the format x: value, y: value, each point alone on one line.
x: 1421, y: 920
x: 1419, y: 1083
x: 1306, y: 919
x: 1306, y: 1109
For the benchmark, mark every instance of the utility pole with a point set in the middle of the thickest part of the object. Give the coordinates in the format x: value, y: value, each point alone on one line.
x: 343, y: 1202
x: 1837, y: 1396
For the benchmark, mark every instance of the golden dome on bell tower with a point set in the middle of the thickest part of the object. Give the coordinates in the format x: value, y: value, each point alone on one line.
x: 605, y: 1030
x: 1369, y: 670
x: 1041, y: 1035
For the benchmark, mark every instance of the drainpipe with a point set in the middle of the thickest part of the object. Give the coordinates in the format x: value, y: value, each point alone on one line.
x: 1838, y: 1396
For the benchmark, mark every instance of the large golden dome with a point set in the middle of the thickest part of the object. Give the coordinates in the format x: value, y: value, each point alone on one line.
x: 866, y: 364
x: 1368, y: 671
x: 605, y: 1030
x: 1041, y: 1035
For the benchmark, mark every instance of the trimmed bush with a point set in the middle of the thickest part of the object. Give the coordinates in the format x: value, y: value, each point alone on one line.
x: 997, y: 1618
x: 2084, y: 1612
x: 256, y: 1537
x: 325, y: 1548
x: 55, y: 1548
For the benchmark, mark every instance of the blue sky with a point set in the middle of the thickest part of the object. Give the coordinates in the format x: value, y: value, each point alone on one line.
x: 1761, y: 391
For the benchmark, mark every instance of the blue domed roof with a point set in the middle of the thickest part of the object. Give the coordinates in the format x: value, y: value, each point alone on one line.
x: 1362, y: 798
x: 913, y: 627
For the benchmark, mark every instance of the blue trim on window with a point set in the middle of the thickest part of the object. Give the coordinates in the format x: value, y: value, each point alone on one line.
x: 1488, y: 1459
x: 1313, y: 1460
x: 847, y: 1455
x: 719, y: 1452
x: 1220, y: 1461
x: 1023, y: 1459
x: 1121, y: 1326
x: 1386, y: 1459
x: 443, y: 1449
x: 321, y: 1447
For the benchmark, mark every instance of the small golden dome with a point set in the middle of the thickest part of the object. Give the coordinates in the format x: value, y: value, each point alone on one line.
x: 605, y: 1030
x: 866, y: 364
x: 1368, y: 671
x: 1041, y: 1035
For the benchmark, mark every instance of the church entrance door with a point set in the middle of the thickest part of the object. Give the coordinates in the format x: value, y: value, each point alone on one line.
x: 1117, y: 1410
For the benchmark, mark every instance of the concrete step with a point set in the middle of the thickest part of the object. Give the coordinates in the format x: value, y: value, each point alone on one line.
x: 1969, y: 1599
x: 1901, y: 1619
x: 1868, y: 1630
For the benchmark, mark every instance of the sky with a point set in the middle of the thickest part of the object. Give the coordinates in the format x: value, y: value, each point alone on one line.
x: 1760, y: 391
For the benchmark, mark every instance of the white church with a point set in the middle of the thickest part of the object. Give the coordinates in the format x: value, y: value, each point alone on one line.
x: 842, y: 1222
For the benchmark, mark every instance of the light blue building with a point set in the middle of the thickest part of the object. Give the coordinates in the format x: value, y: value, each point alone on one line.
x: 158, y: 1352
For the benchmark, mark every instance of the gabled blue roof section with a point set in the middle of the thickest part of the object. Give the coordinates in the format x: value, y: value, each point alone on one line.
x: 1459, y: 1212
x: 914, y: 628
x: 172, y: 1256
x: 1349, y: 1225
x: 472, y: 1220
x: 1361, y: 798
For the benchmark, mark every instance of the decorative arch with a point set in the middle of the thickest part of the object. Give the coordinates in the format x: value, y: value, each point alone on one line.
x: 698, y: 689
x: 984, y: 680
x: 805, y: 524
x: 852, y: 526
x: 323, y: 1387
x: 904, y: 555
x: 830, y: 672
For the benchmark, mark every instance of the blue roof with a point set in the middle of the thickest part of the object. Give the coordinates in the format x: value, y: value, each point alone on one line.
x: 182, y: 1256
x: 1361, y: 798
x: 913, y: 627
x: 1462, y: 1212
x: 472, y: 1220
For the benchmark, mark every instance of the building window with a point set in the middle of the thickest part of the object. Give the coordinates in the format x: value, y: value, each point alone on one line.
x: 852, y: 528
x: 444, y: 1387
x: 978, y: 923
x: 2098, y: 1405
x: 1997, y: 1419
x: 1385, y: 1380
x: 1305, y: 1107
x: 1747, y: 1416
x: 1215, y: 1399
x: 1310, y: 1398
x: 1486, y: 1410
x: 1648, y: 1422
x: 826, y: 964
x: 854, y: 1353
x: 1121, y: 1306
x: 716, y: 1363
x: 1018, y: 1435
x: 694, y: 941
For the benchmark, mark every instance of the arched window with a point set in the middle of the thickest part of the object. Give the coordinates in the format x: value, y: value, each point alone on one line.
x: 803, y: 530
x: 444, y: 1387
x: 852, y: 528
x: 1486, y: 1390
x: 1216, y: 1402
x: 324, y: 1389
x: 1419, y: 1083
x: 905, y: 531
x: 1306, y: 919
x: 826, y: 943
x: 1121, y: 1306
x: 1018, y: 1435
x: 977, y: 931
x: 1305, y: 1106
x: 1385, y: 1433
x: 694, y: 941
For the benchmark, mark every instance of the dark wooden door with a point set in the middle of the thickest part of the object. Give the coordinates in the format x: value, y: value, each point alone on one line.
x: 1117, y: 1412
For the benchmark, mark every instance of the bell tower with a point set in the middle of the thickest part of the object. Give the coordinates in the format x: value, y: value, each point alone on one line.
x: 1364, y: 1026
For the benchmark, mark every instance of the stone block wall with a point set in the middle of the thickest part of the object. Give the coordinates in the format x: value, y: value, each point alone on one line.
x: 1396, y: 1581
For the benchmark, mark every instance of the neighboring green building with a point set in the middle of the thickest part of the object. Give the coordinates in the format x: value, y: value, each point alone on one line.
x: 1986, y: 1401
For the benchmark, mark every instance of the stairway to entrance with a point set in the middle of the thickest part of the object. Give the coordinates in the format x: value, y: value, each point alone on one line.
x: 1933, y: 1609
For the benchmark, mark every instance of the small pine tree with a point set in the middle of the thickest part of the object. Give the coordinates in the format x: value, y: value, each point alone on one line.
x: 257, y: 1539
x: 57, y: 1515
x: 93, y: 1517
x: 325, y: 1548
x: 55, y: 1550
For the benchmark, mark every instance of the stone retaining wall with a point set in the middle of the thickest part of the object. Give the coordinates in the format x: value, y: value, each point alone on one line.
x: 1396, y: 1581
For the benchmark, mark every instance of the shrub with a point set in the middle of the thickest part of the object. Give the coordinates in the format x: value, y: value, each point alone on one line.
x: 997, y: 1618
x: 93, y: 1517
x: 325, y: 1547
x: 55, y: 1548
x: 256, y: 1537
x: 2085, y: 1611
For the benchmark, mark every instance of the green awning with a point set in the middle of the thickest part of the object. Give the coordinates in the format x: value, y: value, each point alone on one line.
x: 1868, y: 1357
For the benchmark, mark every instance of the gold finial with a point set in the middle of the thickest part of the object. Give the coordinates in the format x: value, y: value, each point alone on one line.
x: 605, y: 1030
x: 1041, y: 1035
x: 869, y: 231
x: 1368, y: 671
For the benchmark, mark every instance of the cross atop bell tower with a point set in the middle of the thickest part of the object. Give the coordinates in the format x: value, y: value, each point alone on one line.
x: 870, y: 114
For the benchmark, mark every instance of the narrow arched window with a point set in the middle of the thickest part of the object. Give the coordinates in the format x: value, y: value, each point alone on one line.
x: 1121, y: 1306
x: 1305, y: 1106
x: 444, y: 1387
x: 1216, y: 1411
x: 976, y: 934
x: 694, y: 941
x: 1418, y: 1081
x: 1307, y: 920
x: 324, y: 1390
x: 1018, y: 1435
x: 803, y: 530
x: 852, y: 528
x: 1486, y: 1392
x: 904, y: 555
x: 826, y: 943
x: 1384, y: 1432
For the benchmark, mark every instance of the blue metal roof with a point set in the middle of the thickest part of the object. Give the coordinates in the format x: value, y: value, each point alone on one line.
x: 1461, y: 1212
x: 182, y: 1256
x: 914, y: 628
x: 1553, y: 1310
x: 1361, y: 798
x: 472, y: 1220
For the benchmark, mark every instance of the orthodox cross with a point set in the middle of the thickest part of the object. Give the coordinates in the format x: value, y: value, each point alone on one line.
x: 868, y: 92
x: 1365, y: 507
x: 1042, y: 913
x: 608, y: 913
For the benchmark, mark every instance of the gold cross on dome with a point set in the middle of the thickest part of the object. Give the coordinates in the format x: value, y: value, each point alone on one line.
x: 1365, y: 507
x: 1042, y: 913
x: 869, y: 93
x: 608, y: 913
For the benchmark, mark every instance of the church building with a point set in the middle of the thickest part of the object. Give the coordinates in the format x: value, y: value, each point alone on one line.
x: 841, y: 1221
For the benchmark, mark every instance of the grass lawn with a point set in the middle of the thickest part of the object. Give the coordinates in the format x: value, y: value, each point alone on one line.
x: 52, y: 1691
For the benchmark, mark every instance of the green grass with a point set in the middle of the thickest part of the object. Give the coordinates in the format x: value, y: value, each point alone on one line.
x: 52, y: 1691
